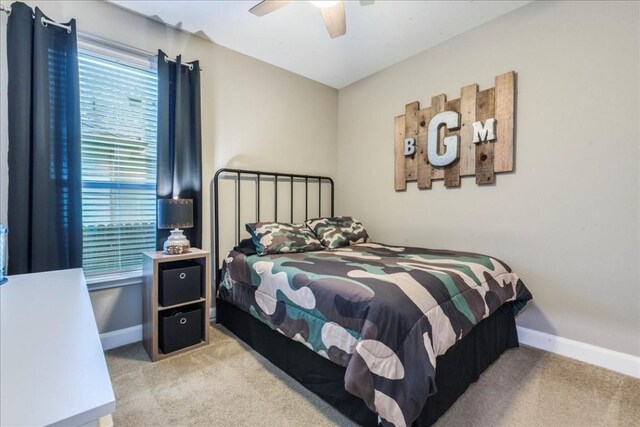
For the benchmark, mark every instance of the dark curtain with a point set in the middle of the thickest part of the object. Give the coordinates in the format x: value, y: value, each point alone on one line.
x: 45, y: 216
x: 179, y: 140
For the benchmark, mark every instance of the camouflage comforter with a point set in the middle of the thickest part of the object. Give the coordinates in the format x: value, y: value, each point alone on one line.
x: 383, y: 312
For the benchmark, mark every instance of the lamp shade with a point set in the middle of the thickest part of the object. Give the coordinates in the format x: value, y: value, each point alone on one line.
x: 175, y: 213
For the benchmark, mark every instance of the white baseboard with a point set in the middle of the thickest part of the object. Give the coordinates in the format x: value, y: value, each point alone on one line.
x: 599, y: 356
x: 121, y: 337
x: 609, y: 359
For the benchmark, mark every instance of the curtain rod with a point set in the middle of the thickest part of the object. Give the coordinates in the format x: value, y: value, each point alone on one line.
x: 166, y: 59
x: 45, y: 21
x: 92, y: 38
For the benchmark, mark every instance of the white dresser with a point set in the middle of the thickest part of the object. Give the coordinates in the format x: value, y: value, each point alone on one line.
x: 52, y: 367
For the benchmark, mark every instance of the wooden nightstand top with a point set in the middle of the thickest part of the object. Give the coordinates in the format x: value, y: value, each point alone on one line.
x: 193, y: 253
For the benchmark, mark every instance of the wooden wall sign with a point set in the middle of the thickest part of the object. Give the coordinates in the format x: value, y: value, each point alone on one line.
x: 471, y: 135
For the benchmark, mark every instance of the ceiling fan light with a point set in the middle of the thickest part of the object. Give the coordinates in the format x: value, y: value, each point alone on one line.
x: 322, y: 4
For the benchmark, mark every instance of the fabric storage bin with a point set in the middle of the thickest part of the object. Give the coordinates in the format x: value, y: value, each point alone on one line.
x: 179, y: 282
x: 180, y: 328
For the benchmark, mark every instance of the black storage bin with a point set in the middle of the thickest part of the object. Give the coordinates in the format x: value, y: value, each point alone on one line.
x: 180, y: 329
x: 179, y: 282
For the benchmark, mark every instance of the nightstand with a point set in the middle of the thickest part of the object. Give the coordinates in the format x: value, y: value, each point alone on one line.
x: 176, y: 302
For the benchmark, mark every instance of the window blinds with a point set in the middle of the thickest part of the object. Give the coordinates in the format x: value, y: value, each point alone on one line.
x: 118, y: 108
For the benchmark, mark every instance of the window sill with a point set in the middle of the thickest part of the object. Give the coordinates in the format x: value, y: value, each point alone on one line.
x: 117, y: 280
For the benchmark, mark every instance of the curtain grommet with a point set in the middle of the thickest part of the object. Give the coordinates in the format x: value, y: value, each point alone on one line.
x: 45, y: 23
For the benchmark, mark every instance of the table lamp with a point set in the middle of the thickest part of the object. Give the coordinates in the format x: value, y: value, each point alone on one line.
x: 176, y: 214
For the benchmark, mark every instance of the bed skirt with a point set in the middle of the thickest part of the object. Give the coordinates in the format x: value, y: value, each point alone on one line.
x: 461, y: 365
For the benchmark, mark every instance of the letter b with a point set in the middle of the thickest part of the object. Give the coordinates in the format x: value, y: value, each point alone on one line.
x: 409, y: 146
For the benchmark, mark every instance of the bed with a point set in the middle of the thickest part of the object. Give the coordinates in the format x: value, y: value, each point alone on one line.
x: 386, y: 334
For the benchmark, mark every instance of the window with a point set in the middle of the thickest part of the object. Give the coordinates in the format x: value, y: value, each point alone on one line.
x: 118, y: 105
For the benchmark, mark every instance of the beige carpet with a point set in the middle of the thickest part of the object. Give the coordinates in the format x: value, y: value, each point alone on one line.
x: 228, y: 384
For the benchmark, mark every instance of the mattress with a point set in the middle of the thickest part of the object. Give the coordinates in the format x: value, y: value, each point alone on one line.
x: 383, y: 312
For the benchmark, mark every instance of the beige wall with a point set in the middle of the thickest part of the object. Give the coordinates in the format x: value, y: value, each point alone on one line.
x: 254, y: 115
x: 567, y: 220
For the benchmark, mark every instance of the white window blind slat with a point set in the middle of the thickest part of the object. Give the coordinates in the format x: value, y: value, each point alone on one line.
x: 118, y: 110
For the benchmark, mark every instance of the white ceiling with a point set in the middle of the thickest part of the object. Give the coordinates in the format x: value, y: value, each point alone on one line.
x: 379, y: 33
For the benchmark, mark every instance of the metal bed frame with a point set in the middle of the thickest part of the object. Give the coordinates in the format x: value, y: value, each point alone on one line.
x: 259, y: 176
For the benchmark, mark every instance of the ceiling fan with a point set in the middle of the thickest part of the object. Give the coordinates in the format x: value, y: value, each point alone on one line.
x: 332, y: 13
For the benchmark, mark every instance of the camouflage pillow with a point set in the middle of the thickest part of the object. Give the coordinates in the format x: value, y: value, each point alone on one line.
x: 338, y: 231
x: 279, y: 237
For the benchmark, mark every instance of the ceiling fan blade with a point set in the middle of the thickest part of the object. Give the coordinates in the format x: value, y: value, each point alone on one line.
x: 335, y: 20
x: 268, y: 6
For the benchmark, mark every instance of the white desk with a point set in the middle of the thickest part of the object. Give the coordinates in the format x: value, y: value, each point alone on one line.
x: 52, y: 367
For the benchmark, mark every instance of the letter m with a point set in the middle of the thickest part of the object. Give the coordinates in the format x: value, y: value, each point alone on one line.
x: 486, y: 132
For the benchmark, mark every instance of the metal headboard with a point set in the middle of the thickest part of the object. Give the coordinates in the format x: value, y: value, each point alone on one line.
x: 288, y: 178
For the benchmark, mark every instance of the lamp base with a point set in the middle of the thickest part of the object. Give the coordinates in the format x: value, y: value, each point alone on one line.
x: 176, y: 244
